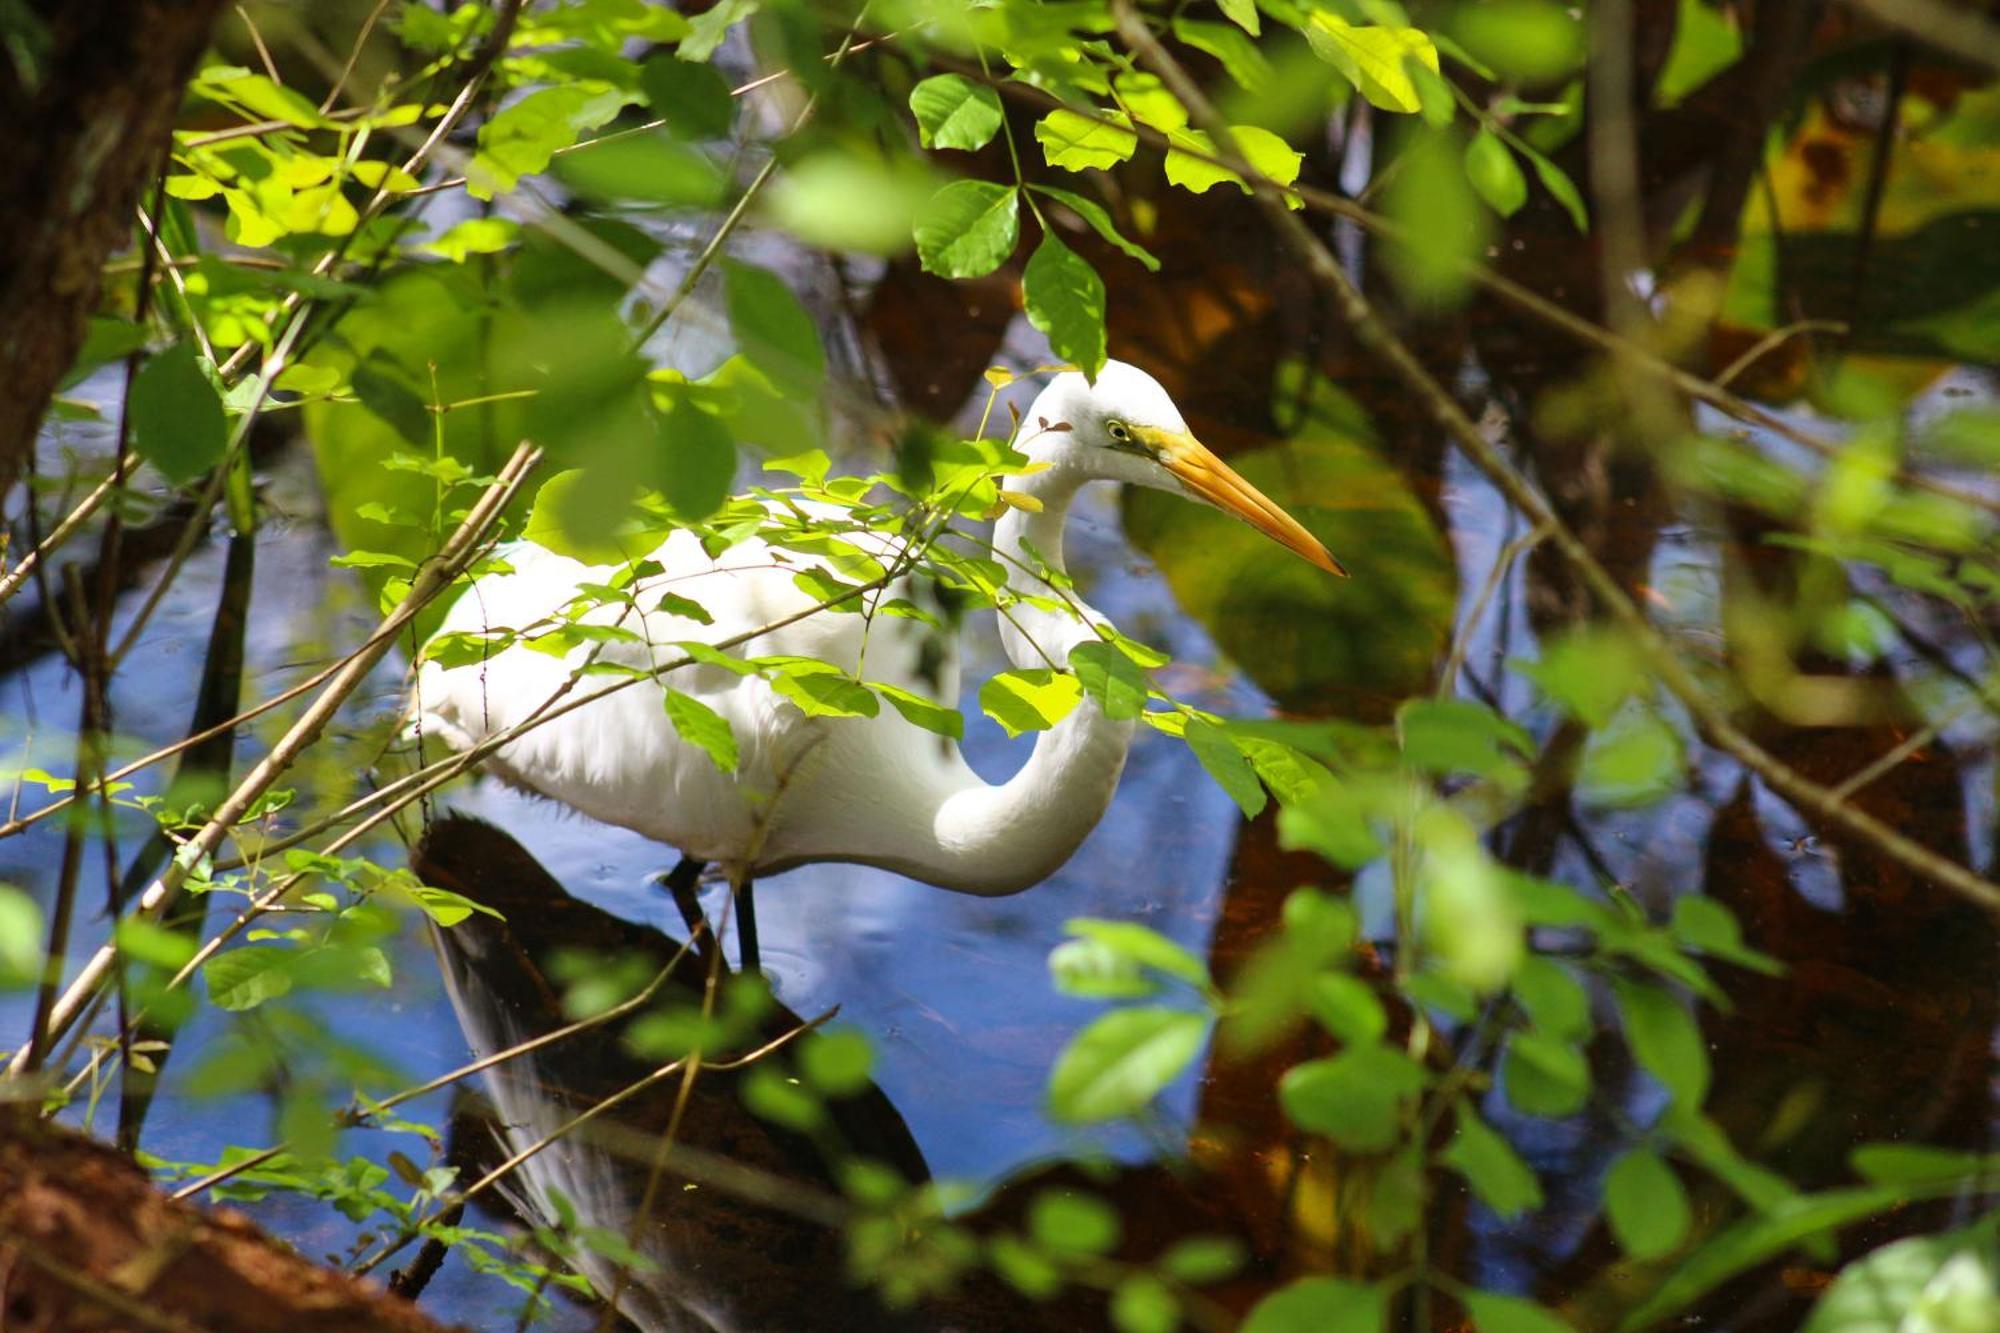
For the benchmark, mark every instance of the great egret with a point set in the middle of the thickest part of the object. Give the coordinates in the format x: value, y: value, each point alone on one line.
x: 880, y: 790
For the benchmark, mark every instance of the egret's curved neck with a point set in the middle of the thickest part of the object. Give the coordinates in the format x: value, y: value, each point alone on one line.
x: 1001, y: 839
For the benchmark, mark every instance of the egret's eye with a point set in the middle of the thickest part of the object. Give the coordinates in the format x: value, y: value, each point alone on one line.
x: 1118, y: 432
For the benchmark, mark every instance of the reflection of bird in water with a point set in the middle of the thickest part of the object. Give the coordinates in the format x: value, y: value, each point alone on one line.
x: 879, y: 790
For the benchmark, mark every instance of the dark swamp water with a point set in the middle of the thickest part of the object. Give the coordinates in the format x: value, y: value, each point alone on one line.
x: 1883, y: 1027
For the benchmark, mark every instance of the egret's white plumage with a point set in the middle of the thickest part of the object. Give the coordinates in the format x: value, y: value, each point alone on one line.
x: 879, y: 791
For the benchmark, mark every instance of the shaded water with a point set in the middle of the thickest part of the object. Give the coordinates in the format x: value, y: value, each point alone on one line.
x: 1883, y: 1028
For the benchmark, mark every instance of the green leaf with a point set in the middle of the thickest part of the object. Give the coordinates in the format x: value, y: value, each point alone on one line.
x: 1143, y: 946
x: 1243, y: 13
x: 177, y: 420
x: 1920, y: 1164
x: 1200, y: 1260
x: 1225, y: 763
x: 837, y: 1061
x: 1635, y: 761
x: 1495, y: 174
x: 1490, y: 1165
x: 692, y: 98
x: 673, y: 604
x: 1589, y: 670
x: 1445, y: 229
x: 1065, y: 300
x: 1111, y: 678
x: 773, y: 1097
x: 1757, y: 1240
x: 1189, y: 167
x: 1706, y: 42
x: 1030, y: 700
x: 1372, y: 58
x: 697, y: 463
x: 1666, y: 1040
x: 1320, y: 1305
x: 1646, y: 1204
x: 1925, y: 1284
x: 968, y: 229
x: 1705, y: 924
x: 954, y: 112
x: 821, y: 690
x: 1494, y: 1313
x: 20, y: 938
x: 1545, y: 1076
x: 1240, y: 58
x: 1092, y: 970
x: 708, y: 29
x: 1560, y: 187
x: 1073, y: 142
x: 922, y: 712
x: 474, y: 236
x: 701, y: 726
x: 1119, y: 1063
x: 1144, y: 1304
x: 773, y: 331
x: 1357, y: 1098
x: 1068, y: 1222
x: 247, y: 977
x: 650, y: 168
x: 1448, y: 736
x: 1099, y: 221
x: 522, y: 139
x: 1347, y: 1007
x: 1555, y: 1000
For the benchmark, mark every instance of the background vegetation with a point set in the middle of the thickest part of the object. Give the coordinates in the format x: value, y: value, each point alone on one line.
x: 1609, y: 938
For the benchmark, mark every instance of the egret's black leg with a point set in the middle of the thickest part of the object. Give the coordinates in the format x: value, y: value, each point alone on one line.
x: 746, y: 926
x: 680, y: 882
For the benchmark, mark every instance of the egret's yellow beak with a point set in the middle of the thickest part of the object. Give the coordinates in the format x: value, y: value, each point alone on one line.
x: 1219, y: 484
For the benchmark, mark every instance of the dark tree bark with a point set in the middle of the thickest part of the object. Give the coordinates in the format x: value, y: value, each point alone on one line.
x: 88, y: 1242
x: 88, y: 92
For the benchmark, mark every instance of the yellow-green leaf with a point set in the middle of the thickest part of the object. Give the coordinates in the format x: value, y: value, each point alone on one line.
x: 1372, y: 58
x: 701, y: 726
x: 1075, y: 143
x: 1031, y: 700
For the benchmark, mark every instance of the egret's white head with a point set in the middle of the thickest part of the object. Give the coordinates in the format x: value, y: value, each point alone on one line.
x: 1125, y: 428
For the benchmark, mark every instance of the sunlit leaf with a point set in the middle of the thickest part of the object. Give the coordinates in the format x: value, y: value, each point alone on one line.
x: 1111, y: 678
x: 1030, y: 700
x: 708, y: 29
x: 247, y: 977
x: 701, y: 726
x: 1372, y: 57
x: 968, y: 229
x: 954, y: 112
x: 1074, y: 142
x: 1119, y: 1063
x: 1933, y: 1284
x: 926, y: 713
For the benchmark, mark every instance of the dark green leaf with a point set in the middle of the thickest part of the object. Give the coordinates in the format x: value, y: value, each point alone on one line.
x: 773, y: 331
x: 648, y: 168
x: 177, y: 420
x: 1666, y: 1039
x: 1554, y: 998
x: 1646, y: 1204
x: 1065, y: 300
x: 1122, y: 1061
x: 697, y: 463
x: 692, y: 98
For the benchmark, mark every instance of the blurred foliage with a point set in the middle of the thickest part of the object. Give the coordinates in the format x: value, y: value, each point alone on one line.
x: 476, y: 234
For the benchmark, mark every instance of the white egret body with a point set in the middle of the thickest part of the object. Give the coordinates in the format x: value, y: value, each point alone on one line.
x: 880, y: 791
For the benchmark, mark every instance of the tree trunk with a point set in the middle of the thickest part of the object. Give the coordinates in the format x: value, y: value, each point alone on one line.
x: 88, y: 92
